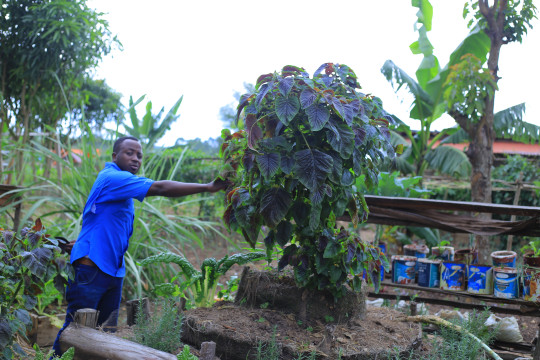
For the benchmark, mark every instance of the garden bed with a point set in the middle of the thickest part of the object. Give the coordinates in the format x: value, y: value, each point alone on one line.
x: 238, y: 331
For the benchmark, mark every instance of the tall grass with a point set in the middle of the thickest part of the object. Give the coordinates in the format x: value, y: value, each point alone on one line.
x: 160, y: 223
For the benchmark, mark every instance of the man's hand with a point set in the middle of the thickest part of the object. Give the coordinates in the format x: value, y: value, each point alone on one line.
x: 218, y: 184
x: 65, y: 245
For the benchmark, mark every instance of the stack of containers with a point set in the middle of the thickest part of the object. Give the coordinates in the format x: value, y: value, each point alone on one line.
x: 505, y: 274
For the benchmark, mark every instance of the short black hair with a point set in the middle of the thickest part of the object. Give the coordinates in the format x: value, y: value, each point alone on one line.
x: 119, y: 141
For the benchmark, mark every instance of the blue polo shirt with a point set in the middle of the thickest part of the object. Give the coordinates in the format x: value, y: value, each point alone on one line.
x: 108, y: 219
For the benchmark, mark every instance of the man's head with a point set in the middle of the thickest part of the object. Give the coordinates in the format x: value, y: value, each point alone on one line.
x: 127, y: 154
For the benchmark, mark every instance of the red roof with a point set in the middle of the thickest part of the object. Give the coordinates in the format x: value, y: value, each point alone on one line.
x: 505, y: 147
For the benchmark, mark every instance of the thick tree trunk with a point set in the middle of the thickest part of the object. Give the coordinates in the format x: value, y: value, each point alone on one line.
x: 482, y: 136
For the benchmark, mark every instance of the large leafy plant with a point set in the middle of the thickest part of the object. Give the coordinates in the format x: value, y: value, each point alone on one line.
x: 293, y: 168
x: 200, y: 286
x: 27, y: 262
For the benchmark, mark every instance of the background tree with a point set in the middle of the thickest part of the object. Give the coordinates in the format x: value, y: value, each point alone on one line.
x: 471, y: 88
x: 47, y: 49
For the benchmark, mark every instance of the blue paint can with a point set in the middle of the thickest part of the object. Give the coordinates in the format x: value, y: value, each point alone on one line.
x: 428, y: 272
x: 453, y: 276
x: 504, y: 258
x: 403, y: 269
x: 480, y: 279
x: 505, y: 284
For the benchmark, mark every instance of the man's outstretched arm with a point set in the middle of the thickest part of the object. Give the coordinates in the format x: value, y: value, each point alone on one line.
x: 176, y: 189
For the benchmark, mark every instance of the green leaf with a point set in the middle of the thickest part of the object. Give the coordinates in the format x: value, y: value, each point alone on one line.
x: 169, y: 257
x: 284, y: 232
x: 287, y: 108
x: 240, y: 259
x: 333, y: 248
x: 315, y: 217
x: 36, y: 260
x: 285, y: 86
x: 337, y: 167
x: 268, y: 164
x: 318, y: 116
x: 307, y: 98
x: 312, y: 167
x: 275, y: 204
x: 254, y: 131
x: 5, y: 332
x: 341, y: 138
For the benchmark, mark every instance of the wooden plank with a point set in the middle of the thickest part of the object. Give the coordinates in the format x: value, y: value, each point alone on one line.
x: 454, y: 304
x: 486, y: 298
x: 467, y: 206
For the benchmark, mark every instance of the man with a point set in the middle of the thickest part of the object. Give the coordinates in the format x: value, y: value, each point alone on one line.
x: 98, y: 254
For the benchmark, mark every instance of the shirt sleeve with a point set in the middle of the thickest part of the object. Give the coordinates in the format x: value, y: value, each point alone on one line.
x: 123, y: 185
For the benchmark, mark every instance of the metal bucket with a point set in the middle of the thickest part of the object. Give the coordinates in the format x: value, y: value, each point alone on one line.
x: 505, y: 284
x: 504, y: 258
x: 403, y: 270
x: 428, y: 272
x: 453, y: 276
x: 480, y: 279
x: 531, y: 284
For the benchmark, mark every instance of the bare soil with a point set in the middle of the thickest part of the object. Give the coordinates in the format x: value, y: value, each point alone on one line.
x: 238, y: 332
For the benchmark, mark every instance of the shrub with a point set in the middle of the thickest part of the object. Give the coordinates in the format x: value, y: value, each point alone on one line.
x: 294, y: 167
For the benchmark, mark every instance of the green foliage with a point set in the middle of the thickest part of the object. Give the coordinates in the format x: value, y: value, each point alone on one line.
x: 27, y: 262
x: 269, y: 350
x: 161, y: 331
x: 391, y: 184
x: 456, y: 346
x: 533, y: 247
x: 293, y: 169
x: 230, y: 290
x: 48, y: 48
x: 517, y: 18
x: 467, y: 85
x: 151, y: 127
x: 185, y: 354
x: 69, y: 354
x: 514, y: 167
x: 200, y: 285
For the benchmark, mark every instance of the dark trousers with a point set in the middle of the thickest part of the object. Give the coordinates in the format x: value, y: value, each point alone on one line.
x: 94, y: 289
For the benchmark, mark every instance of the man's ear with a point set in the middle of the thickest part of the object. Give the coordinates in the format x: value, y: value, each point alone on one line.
x: 114, y: 157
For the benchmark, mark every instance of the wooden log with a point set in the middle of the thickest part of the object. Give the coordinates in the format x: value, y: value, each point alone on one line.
x: 91, y: 344
x: 86, y: 317
x: 132, y: 310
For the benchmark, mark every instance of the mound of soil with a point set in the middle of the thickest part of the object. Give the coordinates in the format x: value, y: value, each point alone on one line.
x: 238, y: 332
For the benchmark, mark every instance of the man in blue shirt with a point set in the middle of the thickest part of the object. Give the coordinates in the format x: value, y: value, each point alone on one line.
x: 98, y: 254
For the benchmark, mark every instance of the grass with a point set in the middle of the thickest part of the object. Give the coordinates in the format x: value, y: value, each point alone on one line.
x: 450, y: 344
x: 162, y: 330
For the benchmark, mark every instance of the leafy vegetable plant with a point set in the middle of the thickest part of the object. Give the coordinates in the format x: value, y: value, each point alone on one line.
x: 27, y: 262
x: 293, y: 168
x: 200, y: 285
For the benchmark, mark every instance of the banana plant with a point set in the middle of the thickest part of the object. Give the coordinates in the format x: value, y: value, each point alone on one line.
x: 428, y: 104
x: 150, y: 128
x: 200, y: 285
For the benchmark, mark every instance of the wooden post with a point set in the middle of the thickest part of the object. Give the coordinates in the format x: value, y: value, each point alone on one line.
x: 208, y: 351
x: 413, y: 308
x: 86, y: 317
x: 536, y: 353
x: 519, y: 185
x: 132, y: 309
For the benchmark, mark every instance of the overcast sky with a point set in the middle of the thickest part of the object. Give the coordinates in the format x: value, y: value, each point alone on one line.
x: 206, y: 50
